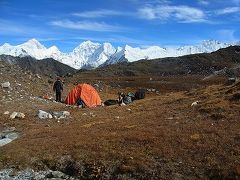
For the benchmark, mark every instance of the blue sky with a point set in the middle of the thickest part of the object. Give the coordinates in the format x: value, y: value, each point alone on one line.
x: 67, y: 23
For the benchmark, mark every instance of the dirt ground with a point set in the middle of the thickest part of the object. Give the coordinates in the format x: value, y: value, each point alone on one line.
x: 159, y: 137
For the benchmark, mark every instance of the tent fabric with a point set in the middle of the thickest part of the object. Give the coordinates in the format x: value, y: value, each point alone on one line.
x: 86, y: 92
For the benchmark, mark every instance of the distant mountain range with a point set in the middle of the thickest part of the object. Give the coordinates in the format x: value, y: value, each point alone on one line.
x: 91, y: 55
x: 225, y: 61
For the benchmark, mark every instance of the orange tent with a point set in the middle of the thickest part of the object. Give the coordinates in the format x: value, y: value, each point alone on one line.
x: 86, y: 92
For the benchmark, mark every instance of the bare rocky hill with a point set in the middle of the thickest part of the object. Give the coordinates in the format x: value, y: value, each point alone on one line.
x: 44, y: 67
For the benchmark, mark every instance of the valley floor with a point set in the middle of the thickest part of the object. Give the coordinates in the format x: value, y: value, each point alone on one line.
x: 161, y: 136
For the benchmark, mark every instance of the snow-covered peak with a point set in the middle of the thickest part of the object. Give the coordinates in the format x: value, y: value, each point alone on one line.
x: 33, y: 43
x: 119, y: 48
x: 6, y: 45
x: 210, y: 42
x: 54, y: 49
x: 87, y: 45
x: 108, y: 48
x: 101, y: 55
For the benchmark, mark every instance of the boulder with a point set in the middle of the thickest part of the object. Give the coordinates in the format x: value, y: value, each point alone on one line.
x: 4, y: 141
x: 20, y: 115
x: 61, y: 114
x: 17, y: 115
x: 44, y: 115
x: 13, y: 115
x: 7, y: 136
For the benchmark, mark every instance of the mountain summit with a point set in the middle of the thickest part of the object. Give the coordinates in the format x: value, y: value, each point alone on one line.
x: 91, y: 55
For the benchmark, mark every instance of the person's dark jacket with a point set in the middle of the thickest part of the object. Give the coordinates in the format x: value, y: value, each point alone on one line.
x: 58, y: 86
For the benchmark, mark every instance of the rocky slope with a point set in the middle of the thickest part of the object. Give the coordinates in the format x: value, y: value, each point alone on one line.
x: 49, y: 66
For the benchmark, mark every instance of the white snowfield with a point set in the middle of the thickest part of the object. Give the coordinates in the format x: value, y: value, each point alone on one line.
x: 91, y: 55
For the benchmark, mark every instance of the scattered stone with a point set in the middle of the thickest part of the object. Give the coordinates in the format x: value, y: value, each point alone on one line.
x: 4, y: 141
x: 31, y: 174
x: 17, y: 115
x: 195, y: 103
x: 38, y: 76
x: 96, y: 85
x: 6, y: 85
x: 13, y: 115
x: 151, y: 90
x: 6, y: 113
x: 44, y: 115
x: 7, y: 136
x: 231, y: 81
x: 61, y: 114
x: 10, y: 129
x: 91, y: 113
x: 195, y: 137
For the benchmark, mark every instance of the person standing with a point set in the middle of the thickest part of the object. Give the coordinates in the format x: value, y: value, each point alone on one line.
x: 58, y: 88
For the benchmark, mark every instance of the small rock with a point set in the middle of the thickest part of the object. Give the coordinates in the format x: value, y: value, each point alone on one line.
x: 20, y: 115
x: 61, y: 114
x: 44, y: 115
x: 58, y: 174
x: 13, y: 115
x: 12, y: 136
x: 6, y: 113
x: 10, y: 129
x: 17, y: 115
x: 38, y: 76
x: 6, y: 85
x: 195, y: 137
x: 66, y: 113
x: 195, y: 103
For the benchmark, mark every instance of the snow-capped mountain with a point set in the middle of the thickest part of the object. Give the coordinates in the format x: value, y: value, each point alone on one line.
x: 132, y: 54
x: 91, y: 55
x: 31, y: 48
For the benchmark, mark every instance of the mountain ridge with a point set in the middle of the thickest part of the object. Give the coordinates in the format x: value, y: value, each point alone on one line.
x: 48, y: 66
x: 92, y: 55
x: 203, y: 64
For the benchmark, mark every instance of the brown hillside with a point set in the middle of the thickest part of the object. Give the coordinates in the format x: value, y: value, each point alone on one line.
x: 159, y: 137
